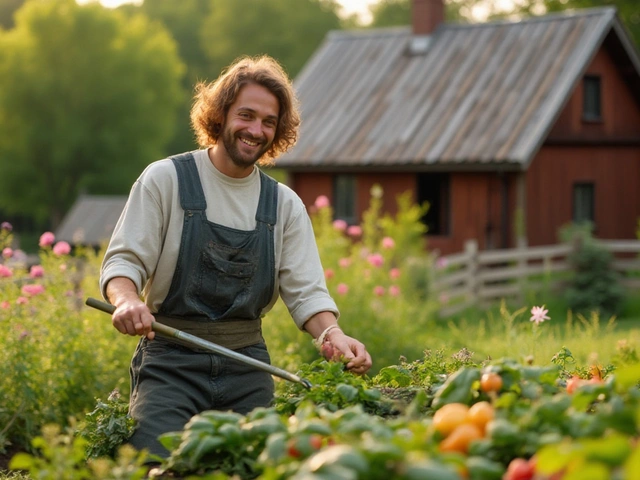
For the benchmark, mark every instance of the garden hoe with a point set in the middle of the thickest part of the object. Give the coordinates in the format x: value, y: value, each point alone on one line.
x: 192, y: 340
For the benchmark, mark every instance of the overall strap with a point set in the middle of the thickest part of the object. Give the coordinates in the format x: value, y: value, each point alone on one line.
x: 191, y: 193
x: 268, y: 205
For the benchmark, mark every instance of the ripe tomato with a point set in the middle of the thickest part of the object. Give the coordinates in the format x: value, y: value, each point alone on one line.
x: 519, y: 469
x: 315, y: 441
x: 480, y: 414
x: 460, y: 438
x: 450, y: 416
x: 490, y: 382
x: 292, y: 449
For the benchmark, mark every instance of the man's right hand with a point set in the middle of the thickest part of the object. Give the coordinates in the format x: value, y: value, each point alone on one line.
x: 132, y: 316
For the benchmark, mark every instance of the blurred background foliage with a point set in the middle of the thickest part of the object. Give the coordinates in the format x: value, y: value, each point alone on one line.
x: 90, y: 95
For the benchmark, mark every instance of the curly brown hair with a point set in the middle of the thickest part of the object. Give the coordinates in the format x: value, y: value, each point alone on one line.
x: 212, y: 102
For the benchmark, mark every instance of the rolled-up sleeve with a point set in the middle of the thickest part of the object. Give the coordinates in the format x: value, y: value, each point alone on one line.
x: 302, y: 284
x: 136, y: 242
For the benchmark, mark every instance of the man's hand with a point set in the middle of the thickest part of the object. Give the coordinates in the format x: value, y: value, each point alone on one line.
x: 132, y: 316
x: 338, y: 346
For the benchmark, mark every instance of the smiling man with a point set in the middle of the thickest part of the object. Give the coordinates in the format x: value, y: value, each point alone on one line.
x: 207, y: 243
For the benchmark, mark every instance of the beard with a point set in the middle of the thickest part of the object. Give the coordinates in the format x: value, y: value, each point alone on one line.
x: 240, y: 159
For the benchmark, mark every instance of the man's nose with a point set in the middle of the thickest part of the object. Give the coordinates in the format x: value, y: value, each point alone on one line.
x: 255, y: 128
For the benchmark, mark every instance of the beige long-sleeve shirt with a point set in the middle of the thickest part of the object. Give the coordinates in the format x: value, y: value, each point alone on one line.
x: 144, y: 245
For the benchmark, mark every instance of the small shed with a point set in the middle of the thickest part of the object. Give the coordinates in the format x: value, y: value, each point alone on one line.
x: 91, y: 220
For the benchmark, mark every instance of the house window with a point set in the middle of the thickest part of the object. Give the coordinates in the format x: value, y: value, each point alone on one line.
x: 344, y: 198
x: 583, y: 202
x: 592, y: 98
x: 433, y: 188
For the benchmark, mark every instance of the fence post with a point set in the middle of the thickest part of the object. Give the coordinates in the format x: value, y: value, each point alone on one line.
x: 522, y: 266
x: 471, y: 251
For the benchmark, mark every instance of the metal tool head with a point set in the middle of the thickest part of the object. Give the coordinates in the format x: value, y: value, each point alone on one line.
x: 306, y: 383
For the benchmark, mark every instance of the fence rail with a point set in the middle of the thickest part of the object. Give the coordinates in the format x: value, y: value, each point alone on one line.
x: 473, y: 277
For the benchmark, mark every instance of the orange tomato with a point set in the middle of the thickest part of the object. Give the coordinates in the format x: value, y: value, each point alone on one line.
x: 460, y: 438
x: 480, y: 414
x: 450, y: 416
x: 573, y: 383
x: 490, y: 382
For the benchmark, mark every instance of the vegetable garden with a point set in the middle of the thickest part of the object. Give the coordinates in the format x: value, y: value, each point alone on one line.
x: 491, y: 395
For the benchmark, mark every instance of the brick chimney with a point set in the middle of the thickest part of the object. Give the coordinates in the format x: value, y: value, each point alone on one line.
x: 426, y: 15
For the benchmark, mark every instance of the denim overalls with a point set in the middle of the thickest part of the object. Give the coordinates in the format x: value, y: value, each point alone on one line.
x: 223, y: 279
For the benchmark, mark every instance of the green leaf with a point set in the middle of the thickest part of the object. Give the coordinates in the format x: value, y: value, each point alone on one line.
x: 347, y: 392
x: 21, y: 461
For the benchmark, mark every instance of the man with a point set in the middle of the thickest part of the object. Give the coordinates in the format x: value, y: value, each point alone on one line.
x: 209, y: 241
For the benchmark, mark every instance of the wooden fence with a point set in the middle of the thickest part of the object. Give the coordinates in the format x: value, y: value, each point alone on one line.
x: 479, y: 278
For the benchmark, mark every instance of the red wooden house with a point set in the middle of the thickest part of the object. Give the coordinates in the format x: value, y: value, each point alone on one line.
x: 509, y: 130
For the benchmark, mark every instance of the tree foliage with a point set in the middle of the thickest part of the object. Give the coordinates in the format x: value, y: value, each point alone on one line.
x: 288, y: 30
x: 87, y: 99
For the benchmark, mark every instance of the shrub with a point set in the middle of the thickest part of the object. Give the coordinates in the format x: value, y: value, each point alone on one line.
x: 594, y: 284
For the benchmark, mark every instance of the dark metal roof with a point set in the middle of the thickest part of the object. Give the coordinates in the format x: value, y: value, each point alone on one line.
x: 471, y: 96
x: 91, y: 220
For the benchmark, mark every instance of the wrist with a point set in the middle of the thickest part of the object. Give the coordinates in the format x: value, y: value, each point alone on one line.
x: 325, y: 334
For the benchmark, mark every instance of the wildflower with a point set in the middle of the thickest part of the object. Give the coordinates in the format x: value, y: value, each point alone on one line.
x: 4, y: 305
x: 24, y: 334
x: 21, y: 300
x: 378, y: 290
x: 340, y: 225
x: 5, y: 271
x: 6, y: 226
x: 354, y: 231
x: 442, y: 263
x: 394, y: 273
x: 61, y: 248
x: 394, y: 290
x: 375, y: 259
x: 444, y: 298
x: 539, y: 315
x: 322, y: 202
x: 344, y: 262
x: 36, y: 271
x: 7, y: 252
x: 63, y: 267
x: 376, y: 191
x: 329, y: 274
x: 342, y: 289
x: 46, y: 239
x: 388, y: 243
x: 32, y: 289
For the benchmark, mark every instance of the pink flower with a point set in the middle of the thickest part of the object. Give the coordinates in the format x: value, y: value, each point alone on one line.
x: 322, y: 202
x: 342, y: 289
x: 32, y: 289
x: 340, y: 225
x: 24, y: 334
x: 388, y: 243
x: 378, y: 291
x: 61, y: 248
x: 329, y: 274
x: 394, y: 290
x: 46, y: 239
x: 36, y: 271
x: 354, y: 231
x: 7, y: 252
x: 4, y: 305
x: 21, y: 300
x: 375, y: 259
x: 444, y: 298
x: 5, y: 271
x: 6, y: 226
x: 441, y: 263
x: 63, y: 267
x: 539, y: 315
x: 394, y: 273
x: 344, y: 262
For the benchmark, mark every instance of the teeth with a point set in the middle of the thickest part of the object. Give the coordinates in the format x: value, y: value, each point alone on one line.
x: 249, y: 142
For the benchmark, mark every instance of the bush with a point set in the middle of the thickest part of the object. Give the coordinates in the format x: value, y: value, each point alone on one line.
x: 594, y: 285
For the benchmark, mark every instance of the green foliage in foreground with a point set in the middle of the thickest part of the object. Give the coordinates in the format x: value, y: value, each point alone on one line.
x: 568, y: 430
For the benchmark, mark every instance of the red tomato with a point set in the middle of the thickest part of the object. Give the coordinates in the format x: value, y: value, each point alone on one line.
x: 519, y: 469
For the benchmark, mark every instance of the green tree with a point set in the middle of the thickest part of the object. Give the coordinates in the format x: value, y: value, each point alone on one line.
x: 288, y: 30
x: 88, y: 97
